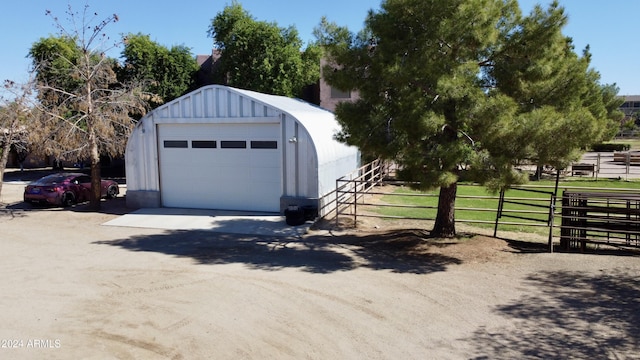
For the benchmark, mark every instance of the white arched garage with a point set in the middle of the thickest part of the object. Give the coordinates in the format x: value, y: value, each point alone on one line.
x: 225, y: 148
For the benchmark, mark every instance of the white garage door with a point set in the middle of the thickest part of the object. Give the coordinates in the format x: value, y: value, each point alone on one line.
x: 221, y: 166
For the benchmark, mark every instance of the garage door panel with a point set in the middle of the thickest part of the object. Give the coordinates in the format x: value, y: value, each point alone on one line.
x: 231, y: 163
x: 221, y: 178
x: 266, y: 175
x: 265, y: 158
x: 231, y: 174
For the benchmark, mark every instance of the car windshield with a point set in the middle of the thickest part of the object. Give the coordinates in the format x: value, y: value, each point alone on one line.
x: 50, y: 180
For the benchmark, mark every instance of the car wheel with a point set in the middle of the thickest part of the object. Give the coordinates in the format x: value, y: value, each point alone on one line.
x: 112, y: 192
x: 68, y: 199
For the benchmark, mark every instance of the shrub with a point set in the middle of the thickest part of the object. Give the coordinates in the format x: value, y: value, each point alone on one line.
x: 609, y: 147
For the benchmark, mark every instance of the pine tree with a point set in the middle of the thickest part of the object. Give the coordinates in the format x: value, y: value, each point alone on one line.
x: 473, y: 86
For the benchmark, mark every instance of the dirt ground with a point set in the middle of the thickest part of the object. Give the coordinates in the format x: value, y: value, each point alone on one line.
x: 74, y: 289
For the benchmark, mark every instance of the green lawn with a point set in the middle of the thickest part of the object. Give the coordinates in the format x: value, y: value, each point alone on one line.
x: 634, y: 142
x: 475, y: 205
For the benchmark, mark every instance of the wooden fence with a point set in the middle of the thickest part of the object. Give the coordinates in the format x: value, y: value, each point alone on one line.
x: 622, y: 165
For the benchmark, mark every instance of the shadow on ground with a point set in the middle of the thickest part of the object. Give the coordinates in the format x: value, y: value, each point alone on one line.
x: 115, y: 173
x: 115, y: 206
x: 402, y: 252
x: 570, y: 315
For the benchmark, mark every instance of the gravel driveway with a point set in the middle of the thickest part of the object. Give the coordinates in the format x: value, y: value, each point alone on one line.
x: 75, y: 289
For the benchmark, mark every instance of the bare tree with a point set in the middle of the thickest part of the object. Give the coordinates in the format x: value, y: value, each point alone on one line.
x: 85, y: 111
x: 14, y: 118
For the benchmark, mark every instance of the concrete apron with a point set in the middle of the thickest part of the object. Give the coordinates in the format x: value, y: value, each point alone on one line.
x: 231, y: 222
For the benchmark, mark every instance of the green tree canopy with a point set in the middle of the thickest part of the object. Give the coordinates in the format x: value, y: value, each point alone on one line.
x: 53, y: 58
x: 447, y: 85
x: 167, y: 73
x: 261, y: 56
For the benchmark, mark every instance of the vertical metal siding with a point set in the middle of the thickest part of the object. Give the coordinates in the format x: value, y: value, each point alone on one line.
x: 310, y: 165
x: 289, y: 155
x: 198, y: 106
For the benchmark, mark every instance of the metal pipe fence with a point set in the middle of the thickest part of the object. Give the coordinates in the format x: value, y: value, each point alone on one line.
x: 523, y: 206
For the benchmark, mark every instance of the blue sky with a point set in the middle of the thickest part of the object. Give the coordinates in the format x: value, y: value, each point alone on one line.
x: 608, y: 27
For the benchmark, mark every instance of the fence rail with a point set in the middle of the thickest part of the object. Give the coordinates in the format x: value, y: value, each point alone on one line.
x: 598, y: 217
x: 516, y: 209
x: 622, y: 165
x: 352, y: 187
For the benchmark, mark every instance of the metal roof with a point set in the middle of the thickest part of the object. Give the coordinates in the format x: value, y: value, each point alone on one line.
x: 318, y: 159
x: 320, y: 123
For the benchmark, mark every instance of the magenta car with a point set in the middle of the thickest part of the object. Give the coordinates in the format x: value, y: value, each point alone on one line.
x: 66, y: 189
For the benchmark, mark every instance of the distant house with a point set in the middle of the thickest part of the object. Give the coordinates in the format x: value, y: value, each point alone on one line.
x: 208, y: 64
x: 322, y: 94
x: 330, y: 96
x: 631, y: 109
x: 631, y: 105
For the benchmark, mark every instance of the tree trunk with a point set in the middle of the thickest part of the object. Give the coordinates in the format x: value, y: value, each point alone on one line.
x: 95, y: 196
x: 94, y: 199
x: 445, y: 225
x: 6, y: 147
x: 539, y: 169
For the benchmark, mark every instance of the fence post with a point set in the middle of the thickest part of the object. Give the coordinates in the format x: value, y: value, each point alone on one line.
x: 499, y: 212
x: 337, y: 202
x: 628, y: 156
x: 552, y: 214
x: 566, y: 222
x: 355, y: 203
